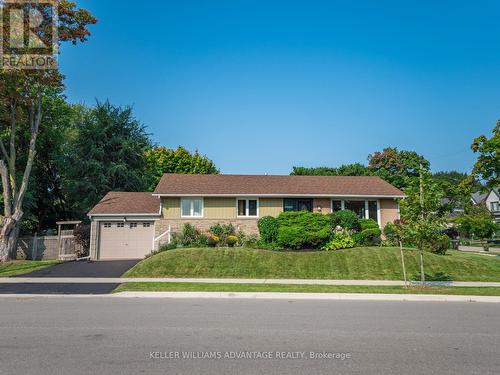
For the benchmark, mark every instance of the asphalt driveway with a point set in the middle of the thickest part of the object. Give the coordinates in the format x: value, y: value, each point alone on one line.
x: 103, y: 269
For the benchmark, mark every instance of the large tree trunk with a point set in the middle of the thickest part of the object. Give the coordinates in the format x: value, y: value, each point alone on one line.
x: 12, y: 195
x: 8, y: 240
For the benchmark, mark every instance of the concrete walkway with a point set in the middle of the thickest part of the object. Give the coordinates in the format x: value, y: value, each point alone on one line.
x: 479, y: 249
x: 118, y: 280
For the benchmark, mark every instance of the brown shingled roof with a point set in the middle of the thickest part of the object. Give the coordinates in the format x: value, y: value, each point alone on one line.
x: 117, y: 202
x: 191, y: 184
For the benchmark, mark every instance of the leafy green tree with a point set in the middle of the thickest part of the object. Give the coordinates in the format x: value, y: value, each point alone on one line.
x: 456, y: 187
x: 477, y: 223
x: 107, y: 153
x: 22, y: 92
x: 48, y: 196
x: 355, y: 169
x: 421, y: 212
x: 397, y: 167
x: 451, y: 177
x: 487, y: 166
x: 160, y: 160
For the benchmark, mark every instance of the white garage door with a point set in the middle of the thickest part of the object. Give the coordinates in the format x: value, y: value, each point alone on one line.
x: 130, y: 240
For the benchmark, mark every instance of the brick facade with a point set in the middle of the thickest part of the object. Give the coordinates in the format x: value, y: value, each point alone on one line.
x: 248, y: 226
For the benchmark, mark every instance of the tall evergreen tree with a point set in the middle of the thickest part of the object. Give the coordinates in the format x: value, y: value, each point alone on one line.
x: 107, y: 154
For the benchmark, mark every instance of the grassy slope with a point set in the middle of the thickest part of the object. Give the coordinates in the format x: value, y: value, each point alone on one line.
x: 19, y: 267
x: 359, y: 263
x: 212, y: 287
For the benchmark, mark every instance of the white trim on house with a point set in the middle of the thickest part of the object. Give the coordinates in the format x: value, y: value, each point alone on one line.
x: 279, y: 195
x: 124, y: 214
x: 247, y: 209
x: 191, y: 208
x: 379, y: 213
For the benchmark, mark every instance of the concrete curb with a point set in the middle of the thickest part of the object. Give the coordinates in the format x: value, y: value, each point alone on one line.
x: 271, y: 296
x: 309, y: 296
x: 118, y: 280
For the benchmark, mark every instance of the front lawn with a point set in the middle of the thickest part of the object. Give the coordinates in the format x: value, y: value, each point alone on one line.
x: 359, y: 263
x: 19, y: 267
x: 282, y: 288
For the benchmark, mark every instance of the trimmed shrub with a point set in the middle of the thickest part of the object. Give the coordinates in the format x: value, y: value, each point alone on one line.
x: 268, y: 229
x: 439, y: 245
x: 346, y: 219
x: 369, y: 234
x: 367, y: 237
x: 340, y: 240
x: 368, y: 224
x: 303, y: 229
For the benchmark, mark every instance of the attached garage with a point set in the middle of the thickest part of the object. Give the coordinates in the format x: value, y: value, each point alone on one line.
x: 125, y: 240
x: 123, y: 225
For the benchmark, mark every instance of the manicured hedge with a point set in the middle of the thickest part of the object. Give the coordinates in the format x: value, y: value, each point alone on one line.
x: 268, y: 229
x: 303, y: 229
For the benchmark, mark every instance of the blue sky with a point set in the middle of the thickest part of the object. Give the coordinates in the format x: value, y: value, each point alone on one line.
x: 261, y: 86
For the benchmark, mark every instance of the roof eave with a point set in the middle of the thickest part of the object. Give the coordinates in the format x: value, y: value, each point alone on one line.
x: 124, y: 214
x: 282, y: 195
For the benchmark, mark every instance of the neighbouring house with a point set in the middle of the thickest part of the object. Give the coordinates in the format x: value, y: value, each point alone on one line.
x: 130, y: 225
x: 491, y: 200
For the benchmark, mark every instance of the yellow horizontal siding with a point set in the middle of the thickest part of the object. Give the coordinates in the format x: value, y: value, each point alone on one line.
x: 219, y: 208
x: 171, y: 208
x: 270, y: 206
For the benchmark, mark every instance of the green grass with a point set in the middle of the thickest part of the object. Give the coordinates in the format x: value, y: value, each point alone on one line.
x: 359, y: 263
x: 19, y: 267
x: 213, y: 287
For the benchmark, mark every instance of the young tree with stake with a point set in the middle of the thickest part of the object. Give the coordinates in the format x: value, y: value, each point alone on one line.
x: 421, y: 211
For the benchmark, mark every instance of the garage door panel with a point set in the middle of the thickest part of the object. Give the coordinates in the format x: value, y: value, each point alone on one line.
x: 130, y: 240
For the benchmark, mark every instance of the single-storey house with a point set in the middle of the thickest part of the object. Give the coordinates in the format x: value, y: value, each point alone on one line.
x: 130, y: 225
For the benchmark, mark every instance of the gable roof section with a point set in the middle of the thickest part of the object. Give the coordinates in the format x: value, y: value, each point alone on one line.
x: 479, y: 197
x: 264, y: 185
x: 123, y: 203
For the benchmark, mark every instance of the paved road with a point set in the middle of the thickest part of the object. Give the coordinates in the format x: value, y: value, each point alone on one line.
x: 101, y: 269
x: 116, y: 336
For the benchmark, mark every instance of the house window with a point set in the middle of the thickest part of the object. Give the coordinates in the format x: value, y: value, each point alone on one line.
x: 192, y: 207
x: 357, y: 206
x: 107, y: 225
x: 247, y: 207
x: 495, y: 206
x: 120, y: 225
x: 146, y: 225
x: 297, y: 204
x: 365, y: 209
x: 133, y: 225
x: 336, y: 205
